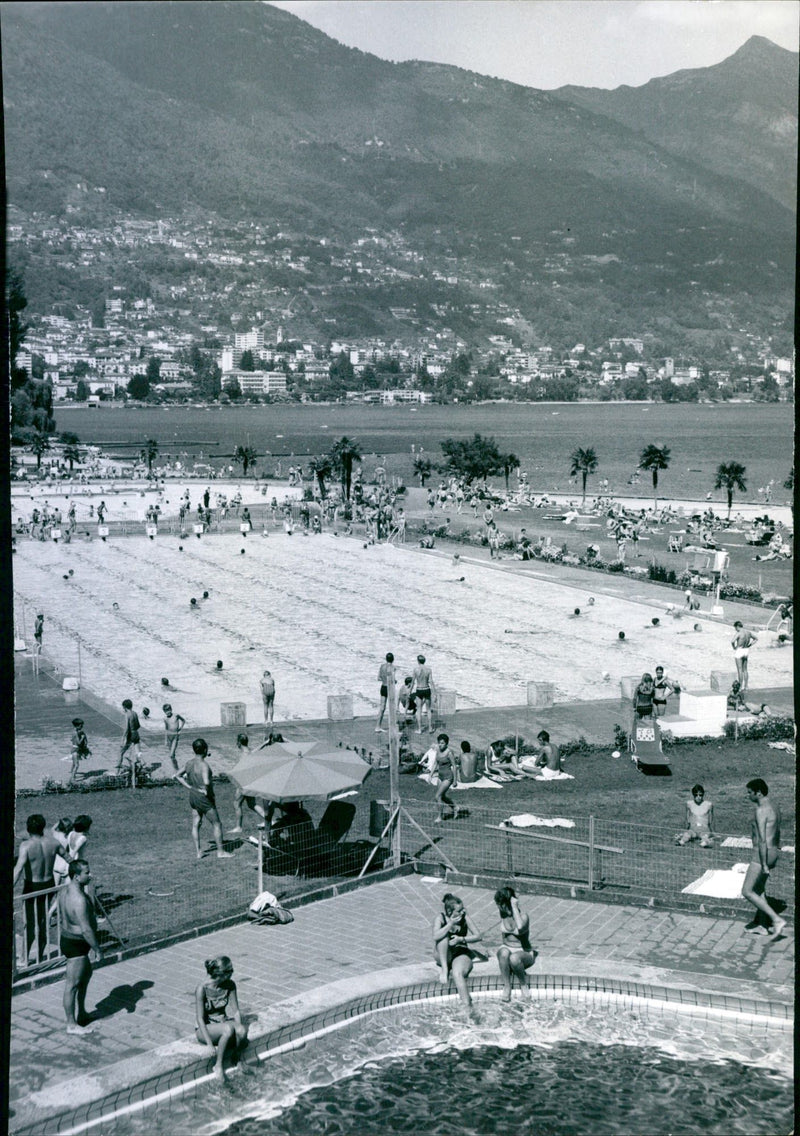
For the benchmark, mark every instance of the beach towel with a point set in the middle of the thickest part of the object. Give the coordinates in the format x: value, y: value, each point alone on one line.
x: 481, y: 783
x: 746, y: 842
x: 525, y: 820
x: 554, y: 775
x: 718, y: 883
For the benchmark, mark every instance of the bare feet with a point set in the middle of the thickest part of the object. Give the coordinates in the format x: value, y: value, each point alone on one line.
x: 219, y: 1072
x: 778, y: 926
x: 79, y: 1031
x: 506, y: 994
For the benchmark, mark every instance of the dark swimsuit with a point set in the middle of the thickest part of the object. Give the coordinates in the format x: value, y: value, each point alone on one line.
x: 73, y: 946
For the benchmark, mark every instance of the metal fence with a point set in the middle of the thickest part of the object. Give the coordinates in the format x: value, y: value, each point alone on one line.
x: 595, y: 853
x: 295, y: 859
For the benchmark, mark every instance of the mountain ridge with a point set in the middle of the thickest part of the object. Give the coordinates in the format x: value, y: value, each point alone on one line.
x: 243, y: 109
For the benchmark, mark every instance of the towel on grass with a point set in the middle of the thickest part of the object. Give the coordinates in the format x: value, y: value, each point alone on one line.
x: 746, y: 842
x: 481, y: 783
x: 525, y: 820
x: 554, y: 775
x: 720, y: 884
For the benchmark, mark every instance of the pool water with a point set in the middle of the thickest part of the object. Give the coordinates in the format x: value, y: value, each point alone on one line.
x: 543, y: 1067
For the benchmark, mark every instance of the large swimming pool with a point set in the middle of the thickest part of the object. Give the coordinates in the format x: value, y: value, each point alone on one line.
x: 599, y: 1066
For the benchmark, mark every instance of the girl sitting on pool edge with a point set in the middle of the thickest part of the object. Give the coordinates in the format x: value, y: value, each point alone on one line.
x: 453, y: 931
x: 219, y: 1020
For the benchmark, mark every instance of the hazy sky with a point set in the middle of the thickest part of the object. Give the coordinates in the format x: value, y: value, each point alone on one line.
x: 547, y: 43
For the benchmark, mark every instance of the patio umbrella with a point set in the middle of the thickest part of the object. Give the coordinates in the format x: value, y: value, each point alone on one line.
x: 297, y: 771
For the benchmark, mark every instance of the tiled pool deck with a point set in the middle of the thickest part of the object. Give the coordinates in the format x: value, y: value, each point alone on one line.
x: 357, y: 945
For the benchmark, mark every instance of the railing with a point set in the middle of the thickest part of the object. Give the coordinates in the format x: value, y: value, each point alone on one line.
x: 36, y: 923
x: 595, y: 853
x: 296, y: 859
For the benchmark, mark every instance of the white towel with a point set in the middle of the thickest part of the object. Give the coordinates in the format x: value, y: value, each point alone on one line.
x: 737, y: 842
x: 525, y: 820
x: 554, y: 775
x: 718, y: 883
x: 481, y: 783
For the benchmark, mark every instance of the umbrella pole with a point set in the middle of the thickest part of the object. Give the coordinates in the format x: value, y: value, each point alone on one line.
x: 394, y: 768
x: 260, y: 861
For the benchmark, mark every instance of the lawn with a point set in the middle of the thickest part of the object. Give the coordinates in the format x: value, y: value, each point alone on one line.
x: 143, y: 860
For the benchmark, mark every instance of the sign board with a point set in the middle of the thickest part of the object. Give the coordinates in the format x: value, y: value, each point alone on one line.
x: 102, y: 530
x: 198, y: 529
x: 151, y: 530
x: 56, y: 534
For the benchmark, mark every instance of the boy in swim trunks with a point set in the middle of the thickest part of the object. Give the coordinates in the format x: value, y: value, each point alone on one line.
x: 268, y: 697
x: 766, y: 849
x: 173, y: 724
x: 197, y: 777
x: 699, y: 819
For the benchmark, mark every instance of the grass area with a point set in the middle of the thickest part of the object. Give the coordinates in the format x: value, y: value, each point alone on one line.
x: 143, y: 860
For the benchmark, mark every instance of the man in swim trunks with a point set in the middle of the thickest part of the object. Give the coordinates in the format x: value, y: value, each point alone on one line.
x: 548, y: 759
x: 385, y: 676
x: 766, y: 849
x: 741, y: 643
x: 35, y: 864
x: 423, y: 691
x: 268, y: 697
x: 198, y: 779
x: 699, y: 819
x: 78, y: 938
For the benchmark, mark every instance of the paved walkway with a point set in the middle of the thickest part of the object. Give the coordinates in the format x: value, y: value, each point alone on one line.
x: 145, y: 1006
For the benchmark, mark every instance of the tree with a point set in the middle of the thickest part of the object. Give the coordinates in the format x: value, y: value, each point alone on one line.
x: 509, y: 463
x: 247, y: 362
x: 72, y: 453
x: 39, y: 444
x: 583, y: 462
x: 321, y: 467
x: 138, y: 386
x: 245, y: 456
x: 82, y: 391
x: 789, y: 482
x: 730, y: 476
x: 343, y: 453
x: 233, y: 388
x: 16, y: 302
x: 473, y: 460
x: 150, y: 453
x: 153, y: 369
x: 654, y: 458
x: 423, y: 468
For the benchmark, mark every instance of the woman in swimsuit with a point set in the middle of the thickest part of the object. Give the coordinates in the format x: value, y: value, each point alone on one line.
x: 453, y: 931
x: 445, y: 768
x: 219, y: 1020
x: 516, y: 955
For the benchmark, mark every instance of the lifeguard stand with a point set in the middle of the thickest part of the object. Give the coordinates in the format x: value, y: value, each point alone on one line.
x: 714, y: 563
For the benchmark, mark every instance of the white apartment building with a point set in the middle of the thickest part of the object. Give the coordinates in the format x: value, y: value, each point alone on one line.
x: 258, y: 382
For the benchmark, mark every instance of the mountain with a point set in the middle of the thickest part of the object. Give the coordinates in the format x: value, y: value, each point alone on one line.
x: 738, y: 118
x: 244, y: 110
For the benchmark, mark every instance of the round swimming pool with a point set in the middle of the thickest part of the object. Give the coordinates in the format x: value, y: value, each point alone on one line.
x: 547, y: 1067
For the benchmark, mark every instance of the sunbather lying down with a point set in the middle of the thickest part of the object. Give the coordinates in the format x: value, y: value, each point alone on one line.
x: 503, y: 759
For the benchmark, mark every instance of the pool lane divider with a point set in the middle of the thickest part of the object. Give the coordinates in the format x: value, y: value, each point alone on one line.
x: 293, y: 1035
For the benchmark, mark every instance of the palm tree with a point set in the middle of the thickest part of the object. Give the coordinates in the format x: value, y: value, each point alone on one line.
x: 343, y: 453
x: 73, y: 454
x: 584, y: 462
x: 509, y: 462
x: 423, y: 468
x: 730, y: 476
x: 654, y: 458
x: 150, y: 453
x: 245, y: 456
x: 39, y: 444
x: 321, y: 468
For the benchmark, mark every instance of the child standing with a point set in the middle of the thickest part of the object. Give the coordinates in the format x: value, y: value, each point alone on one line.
x: 699, y: 819
x: 80, y: 747
x: 173, y: 724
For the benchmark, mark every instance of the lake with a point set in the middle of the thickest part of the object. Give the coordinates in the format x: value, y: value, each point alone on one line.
x: 542, y: 435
